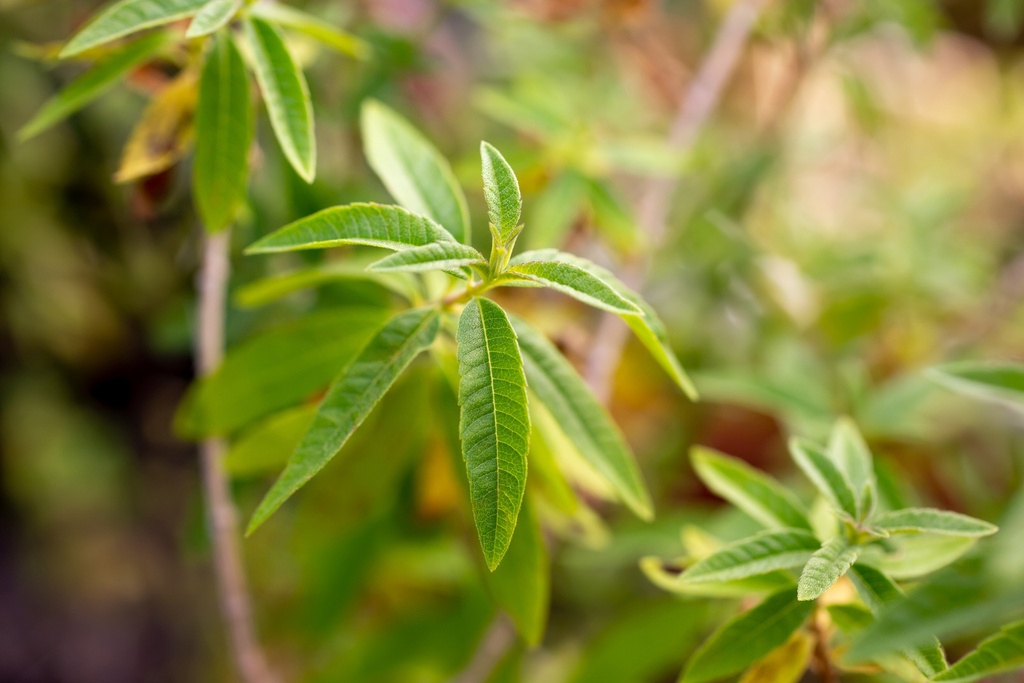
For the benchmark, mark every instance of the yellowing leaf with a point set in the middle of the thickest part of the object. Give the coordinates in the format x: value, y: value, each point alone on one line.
x: 163, y: 134
x: 784, y: 664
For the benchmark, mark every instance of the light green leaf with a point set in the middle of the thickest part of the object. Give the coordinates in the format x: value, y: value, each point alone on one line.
x: 582, y: 418
x: 746, y: 638
x: 759, y: 554
x: 1001, y: 652
x: 435, y: 256
x: 877, y: 589
x: 577, y: 283
x: 349, y: 400
x: 314, y: 27
x: 92, y: 84
x: 224, y: 130
x: 213, y: 16
x: 286, y: 95
x: 412, y: 169
x: 374, y: 225
x: 931, y: 521
x: 494, y: 423
x: 991, y: 381
x: 848, y: 450
x: 253, y: 381
x: 501, y: 190
x: 914, y: 555
x: 129, y: 16
x: 668, y: 578
x: 832, y: 560
x: 752, y: 491
x: 266, y: 447
x: 647, y: 327
x: 826, y: 476
x: 521, y: 586
x: 269, y: 289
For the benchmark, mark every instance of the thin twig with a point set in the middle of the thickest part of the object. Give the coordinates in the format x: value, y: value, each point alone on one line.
x: 700, y: 100
x: 232, y: 588
x: 499, y: 637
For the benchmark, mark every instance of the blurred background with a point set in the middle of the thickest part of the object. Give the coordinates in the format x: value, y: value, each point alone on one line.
x: 852, y: 213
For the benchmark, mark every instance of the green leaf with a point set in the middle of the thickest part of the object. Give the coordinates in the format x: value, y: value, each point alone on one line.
x: 999, y: 382
x: 435, y: 256
x: 521, y: 585
x: 353, y: 269
x: 266, y: 447
x: 412, y: 169
x: 826, y: 476
x: 224, y: 130
x: 785, y: 664
x: 577, y: 283
x: 647, y: 327
x: 752, y: 491
x: 931, y: 521
x: 374, y: 225
x: 213, y: 16
x: 349, y: 400
x: 582, y: 418
x: 129, y: 16
x: 494, y: 423
x: 314, y: 27
x: 759, y: 554
x: 254, y: 380
x: 1001, y: 652
x: 286, y: 95
x: 501, y: 190
x: 877, y: 589
x: 748, y: 637
x: 92, y: 84
x: 825, y: 567
x: 914, y: 555
x: 668, y: 578
x: 849, y: 451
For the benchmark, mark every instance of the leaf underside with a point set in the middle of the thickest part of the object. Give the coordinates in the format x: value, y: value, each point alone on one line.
x: 825, y: 567
x: 214, y: 15
x: 760, y: 554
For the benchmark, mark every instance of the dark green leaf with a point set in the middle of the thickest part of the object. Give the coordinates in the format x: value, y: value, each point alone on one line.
x: 129, y: 16
x: 349, y: 400
x: 494, y: 423
x: 224, y: 130
x: 374, y: 225
x: 286, y: 95
x: 1001, y: 652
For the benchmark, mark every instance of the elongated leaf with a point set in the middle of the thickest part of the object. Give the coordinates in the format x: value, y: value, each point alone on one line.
x: 668, y: 578
x: 253, y: 381
x: 784, y: 664
x: 412, y: 169
x: 435, y: 256
x: 826, y: 476
x: 931, y: 521
x: 577, y: 283
x: 494, y: 423
x: 92, y: 84
x: 266, y: 447
x: 349, y: 400
x: 748, y: 637
x: 908, y: 556
x: 224, y: 130
x: 582, y: 418
x: 267, y: 290
x: 847, y: 449
x: 760, y: 554
x: 877, y: 589
x: 826, y: 566
x: 374, y: 225
x: 1001, y: 652
x: 501, y: 190
x: 214, y: 15
x: 991, y: 381
x: 754, y: 492
x: 521, y: 585
x: 647, y: 327
x: 163, y: 134
x: 129, y: 16
x: 286, y: 95
x: 314, y: 27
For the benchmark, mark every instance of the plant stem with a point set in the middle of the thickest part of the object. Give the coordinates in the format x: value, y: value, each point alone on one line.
x: 822, y: 661
x: 232, y: 589
x: 652, y: 215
